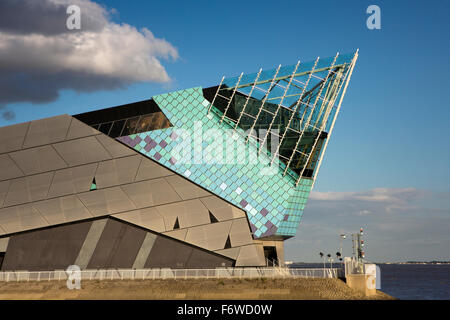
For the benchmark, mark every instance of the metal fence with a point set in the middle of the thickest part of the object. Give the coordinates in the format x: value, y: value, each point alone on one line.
x: 146, y: 274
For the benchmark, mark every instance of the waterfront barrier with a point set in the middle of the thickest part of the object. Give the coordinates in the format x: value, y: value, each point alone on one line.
x: 154, y: 274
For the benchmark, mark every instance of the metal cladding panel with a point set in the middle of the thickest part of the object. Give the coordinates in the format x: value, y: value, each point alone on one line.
x: 221, y: 209
x: 78, y: 129
x: 144, y: 251
x: 4, y: 186
x: 177, y: 234
x: 117, y: 247
x: 18, y: 192
x: 72, y: 180
x: 168, y: 253
x: 46, y: 131
x: 82, y: 151
x: 20, y: 218
x: 148, y: 218
x: 90, y: 243
x: 49, y: 249
x: 114, y: 148
x: 127, y: 248
x: 251, y: 256
x: 106, y: 201
x: 185, y: 188
x: 111, y: 233
x: 62, y: 210
x: 30, y: 188
x: 189, y: 213
x: 240, y: 233
x: 38, y: 160
x: 199, y: 259
x: 211, y: 236
x: 117, y: 171
x: 151, y: 193
x: 232, y: 253
x: 8, y: 169
x: 170, y: 218
x: 4, y: 244
x: 151, y: 170
x: 11, y: 137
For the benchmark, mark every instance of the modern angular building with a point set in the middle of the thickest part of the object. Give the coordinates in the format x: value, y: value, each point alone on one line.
x: 197, y: 178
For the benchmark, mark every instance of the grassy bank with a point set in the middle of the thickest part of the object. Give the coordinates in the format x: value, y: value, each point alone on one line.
x: 270, y: 289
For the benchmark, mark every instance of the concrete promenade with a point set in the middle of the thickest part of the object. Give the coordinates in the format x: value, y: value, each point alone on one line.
x: 265, y: 289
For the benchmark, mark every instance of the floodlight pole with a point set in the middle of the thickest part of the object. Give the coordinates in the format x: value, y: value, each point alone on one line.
x: 341, y: 239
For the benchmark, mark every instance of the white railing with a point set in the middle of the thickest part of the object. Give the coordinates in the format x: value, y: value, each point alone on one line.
x: 146, y: 274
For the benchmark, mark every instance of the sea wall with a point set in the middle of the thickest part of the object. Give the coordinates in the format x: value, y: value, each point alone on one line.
x: 363, y: 283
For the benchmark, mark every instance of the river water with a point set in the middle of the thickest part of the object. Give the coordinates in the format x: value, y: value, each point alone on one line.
x: 410, y: 281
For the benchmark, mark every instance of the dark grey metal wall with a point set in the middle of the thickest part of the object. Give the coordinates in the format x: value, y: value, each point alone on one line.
x: 49, y: 249
x: 119, y: 245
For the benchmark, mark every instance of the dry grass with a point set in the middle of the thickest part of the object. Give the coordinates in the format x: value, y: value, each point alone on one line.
x: 265, y: 289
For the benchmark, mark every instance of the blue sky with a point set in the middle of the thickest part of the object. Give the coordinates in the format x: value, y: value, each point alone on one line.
x: 392, y: 132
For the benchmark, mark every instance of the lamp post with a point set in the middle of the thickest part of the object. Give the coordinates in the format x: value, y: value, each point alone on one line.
x: 323, y: 257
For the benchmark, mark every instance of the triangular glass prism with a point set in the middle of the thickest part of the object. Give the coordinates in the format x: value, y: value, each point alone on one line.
x: 212, y: 218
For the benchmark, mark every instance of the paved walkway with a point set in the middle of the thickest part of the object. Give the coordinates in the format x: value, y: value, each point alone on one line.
x: 270, y: 289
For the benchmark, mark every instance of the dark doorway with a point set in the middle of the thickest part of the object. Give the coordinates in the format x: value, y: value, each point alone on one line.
x: 270, y: 253
x: 2, y: 257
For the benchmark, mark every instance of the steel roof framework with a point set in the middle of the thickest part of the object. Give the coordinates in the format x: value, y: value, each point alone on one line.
x: 309, y: 96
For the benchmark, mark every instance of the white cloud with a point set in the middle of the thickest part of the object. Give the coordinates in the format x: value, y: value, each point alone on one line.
x: 360, y: 203
x: 37, y: 61
x: 119, y: 51
x: 364, y: 212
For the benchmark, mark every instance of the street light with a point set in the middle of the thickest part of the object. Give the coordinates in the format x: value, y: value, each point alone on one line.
x: 341, y: 238
x: 322, y: 256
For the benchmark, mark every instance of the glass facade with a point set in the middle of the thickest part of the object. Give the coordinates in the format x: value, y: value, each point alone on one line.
x: 297, y: 101
x: 297, y: 105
